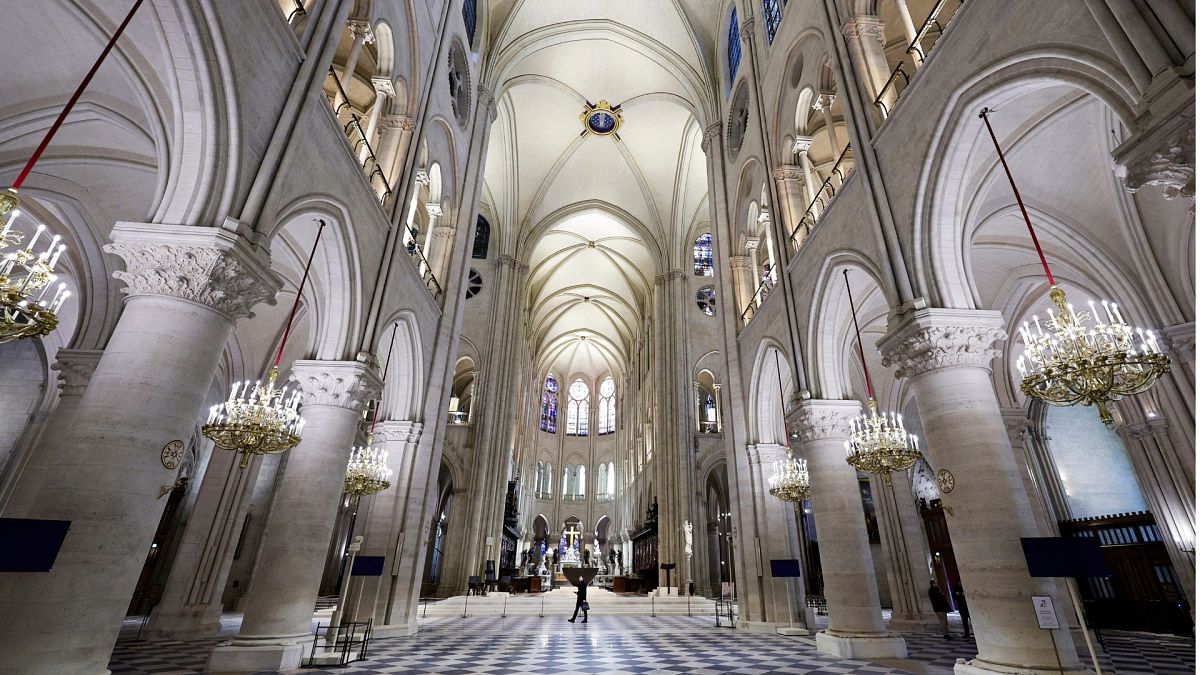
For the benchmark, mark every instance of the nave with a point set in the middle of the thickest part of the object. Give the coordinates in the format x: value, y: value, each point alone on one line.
x: 628, y: 645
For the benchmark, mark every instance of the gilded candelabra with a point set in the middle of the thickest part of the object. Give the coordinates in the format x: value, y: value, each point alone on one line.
x: 880, y: 444
x: 368, y: 472
x: 1073, y: 363
x: 256, y: 419
x: 790, y: 480
x: 28, y: 308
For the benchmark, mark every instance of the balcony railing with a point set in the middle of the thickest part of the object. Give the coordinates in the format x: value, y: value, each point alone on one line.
x: 297, y: 13
x: 359, y: 144
x: 574, y: 498
x: 543, y: 495
x: 914, y: 57
x: 423, y: 267
x: 604, y: 497
x: 707, y: 427
x: 842, y: 169
x: 760, y: 295
x: 457, y: 417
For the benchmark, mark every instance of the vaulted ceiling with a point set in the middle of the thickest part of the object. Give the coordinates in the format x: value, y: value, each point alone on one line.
x: 596, y: 217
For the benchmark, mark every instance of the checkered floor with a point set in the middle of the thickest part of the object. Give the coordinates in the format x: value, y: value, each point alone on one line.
x: 620, y: 645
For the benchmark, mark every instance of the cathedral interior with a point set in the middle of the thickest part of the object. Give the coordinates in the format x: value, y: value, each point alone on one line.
x: 391, y: 336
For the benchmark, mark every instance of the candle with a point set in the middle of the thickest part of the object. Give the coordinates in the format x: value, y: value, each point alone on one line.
x: 36, y: 233
x: 8, y: 224
x: 57, y: 255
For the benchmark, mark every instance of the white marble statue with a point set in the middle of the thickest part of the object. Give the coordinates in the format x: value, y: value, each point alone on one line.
x: 687, y: 538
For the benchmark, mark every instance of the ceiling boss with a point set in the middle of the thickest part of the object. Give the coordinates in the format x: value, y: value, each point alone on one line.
x: 601, y: 119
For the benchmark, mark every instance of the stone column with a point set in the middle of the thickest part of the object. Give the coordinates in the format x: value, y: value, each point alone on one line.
x: 910, y: 30
x: 186, y: 286
x: 906, y: 558
x: 864, y: 41
x: 383, y: 533
x: 191, y: 605
x: 741, y: 269
x: 361, y: 30
x: 778, y: 540
x: 824, y: 103
x: 394, y: 138
x: 947, y: 355
x: 277, y: 627
x: 75, y: 368
x: 855, y: 617
x: 717, y: 403
x: 789, y: 179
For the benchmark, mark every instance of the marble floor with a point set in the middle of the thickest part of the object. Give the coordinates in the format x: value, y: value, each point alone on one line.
x: 628, y: 644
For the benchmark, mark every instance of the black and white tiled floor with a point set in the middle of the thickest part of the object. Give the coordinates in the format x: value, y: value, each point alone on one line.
x: 628, y: 645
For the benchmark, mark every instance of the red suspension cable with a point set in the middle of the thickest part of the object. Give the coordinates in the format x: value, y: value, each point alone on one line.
x: 386, y: 364
x: 858, y: 334
x: 74, y: 98
x: 299, y: 292
x: 1020, y: 202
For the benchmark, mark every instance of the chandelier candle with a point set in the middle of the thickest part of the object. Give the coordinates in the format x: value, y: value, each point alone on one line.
x: 262, y: 419
x: 1075, y: 363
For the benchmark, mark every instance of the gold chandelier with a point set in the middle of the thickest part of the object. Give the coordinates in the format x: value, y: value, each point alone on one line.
x: 257, y: 420
x: 790, y: 481
x: 28, y: 308
x: 262, y: 419
x: 1075, y: 363
x: 368, y: 472
x: 878, y: 443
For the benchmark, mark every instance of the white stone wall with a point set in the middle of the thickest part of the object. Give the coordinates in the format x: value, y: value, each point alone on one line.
x: 1081, y: 444
x: 22, y: 384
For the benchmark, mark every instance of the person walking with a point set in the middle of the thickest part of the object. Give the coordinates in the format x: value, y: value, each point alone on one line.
x: 940, y: 607
x: 580, y: 601
x: 960, y: 601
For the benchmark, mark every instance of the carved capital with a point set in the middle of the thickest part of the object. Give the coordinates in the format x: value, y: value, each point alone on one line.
x: 870, y: 27
x: 748, y: 30
x: 739, y: 262
x: 1172, y: 166
x: 789, y: 172
x: 710, y: 132
x: 932, y: 339
x: 434, y: 209
x: 1181, y: 340
x: 1016, y: 423
x: 823, y: 419
x: 769, y: 453
x: 487, y: 101
x: 422, y: 177
x: 342, y: 384
x: 205, y: 265
x: 801, y: 144
x: 399, y: 431
x: 361, y: 29
x: 401, y: 122
x: 824, y: 101
x: 75, y: 368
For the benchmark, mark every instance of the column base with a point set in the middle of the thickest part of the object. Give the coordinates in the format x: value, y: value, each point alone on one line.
x: 981, y: 667
x: 251, y: 655
x: 772, y: 628
x: 197, y: 624
x: 395, y: 630
x: 913, y: 625
x: 862, y: 645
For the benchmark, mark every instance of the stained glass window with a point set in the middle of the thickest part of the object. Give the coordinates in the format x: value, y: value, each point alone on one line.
x: 469, y: 19
x: 483, y: 234
x: 702, y: 255
x: 606, y: 421
x: 577, y: 409
x: 734, y: 46
x: 706, y: 300
x: 772, y: 15
x: 550, y: 405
